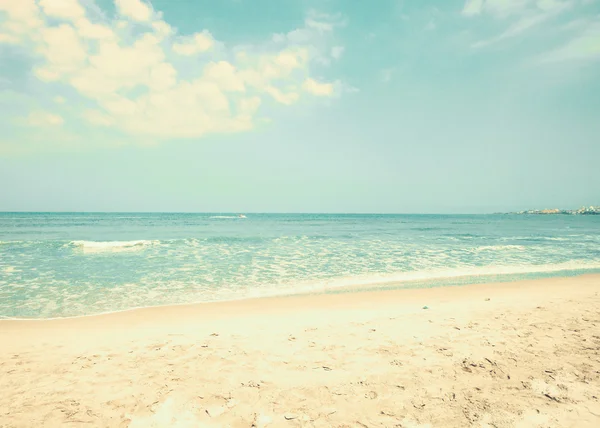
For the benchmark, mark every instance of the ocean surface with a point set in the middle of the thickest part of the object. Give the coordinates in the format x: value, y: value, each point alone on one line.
x: 73, y: 264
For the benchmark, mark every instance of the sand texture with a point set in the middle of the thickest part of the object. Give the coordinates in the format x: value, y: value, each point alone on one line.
x: 522, y: 354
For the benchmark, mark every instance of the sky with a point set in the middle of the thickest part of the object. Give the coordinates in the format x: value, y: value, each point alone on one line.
x: 388, y: 106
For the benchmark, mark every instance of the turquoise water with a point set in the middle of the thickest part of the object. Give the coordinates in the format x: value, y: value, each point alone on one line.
x: 60, y: 265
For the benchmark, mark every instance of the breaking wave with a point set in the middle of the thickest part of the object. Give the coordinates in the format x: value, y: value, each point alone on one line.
x: 111, y: 246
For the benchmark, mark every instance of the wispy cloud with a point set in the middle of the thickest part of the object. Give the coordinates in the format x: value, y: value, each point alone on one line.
x: 583, y: 47
x: 514, y: 30
x: 472, y: 7
x: 505, y: 8
x: 324, y: 21
x: 528, y: 13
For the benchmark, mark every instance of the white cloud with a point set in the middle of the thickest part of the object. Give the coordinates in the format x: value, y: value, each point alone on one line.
x: 136, y: 10
x: 46, y: 74
x: 89, y: 30
x: 63, y: 9
x: 282, y: 97
x: 288, y: 60
x: 319, y: 89
x: 190, y: 109
x: 114, y: 68
x: 268, y: 68
x: 162, y: 77
x: 297, y: 36
x: 63, y: 51
x: 316, y: 26
x: 199, y: 42
x: 472, y: 7
x: 23, y: 17
x: 225, y: 75
x: 145, y: 86
x: 42, y: 118
x: 249, y: 105
x: 162, y: 28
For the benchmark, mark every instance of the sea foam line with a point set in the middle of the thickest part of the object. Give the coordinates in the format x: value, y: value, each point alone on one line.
x: 112, y: 246
x: 499, y: 248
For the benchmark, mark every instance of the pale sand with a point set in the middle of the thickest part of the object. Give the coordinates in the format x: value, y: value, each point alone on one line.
x: 527, y: 357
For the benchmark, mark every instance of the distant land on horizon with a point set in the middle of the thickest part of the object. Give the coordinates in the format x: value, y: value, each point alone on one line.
x: 591, y: 210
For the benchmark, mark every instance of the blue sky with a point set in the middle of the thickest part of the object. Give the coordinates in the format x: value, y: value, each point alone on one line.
x: 298, y: 105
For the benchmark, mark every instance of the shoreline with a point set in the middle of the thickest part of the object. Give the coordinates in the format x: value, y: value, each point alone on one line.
x: 346, y: 298
x: 359, y: 287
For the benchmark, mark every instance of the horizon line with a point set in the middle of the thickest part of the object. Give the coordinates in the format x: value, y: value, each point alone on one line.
x: 254, y: 212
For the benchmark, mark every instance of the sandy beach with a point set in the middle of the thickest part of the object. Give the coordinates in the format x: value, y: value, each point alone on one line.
x: 519, y: 354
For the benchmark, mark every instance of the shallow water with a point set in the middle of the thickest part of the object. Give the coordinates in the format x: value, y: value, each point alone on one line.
x: 59, y: 265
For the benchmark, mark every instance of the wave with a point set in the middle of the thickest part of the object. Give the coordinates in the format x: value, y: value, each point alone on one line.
x: 223, y: 216
x: 111, y: 246
x: 499, y: 248
x: 534, y: 238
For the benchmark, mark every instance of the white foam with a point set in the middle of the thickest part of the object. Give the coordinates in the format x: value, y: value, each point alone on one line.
x: 420, y: 275
x: 90, y: 247
x: 500, y: 248
x: 223, y: 216
x: 534, y: 238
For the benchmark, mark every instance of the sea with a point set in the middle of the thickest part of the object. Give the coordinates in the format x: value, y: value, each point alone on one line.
x: 57, y: 265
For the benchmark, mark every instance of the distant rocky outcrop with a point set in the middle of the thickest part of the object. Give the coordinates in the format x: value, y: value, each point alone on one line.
x: 591, y: 210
